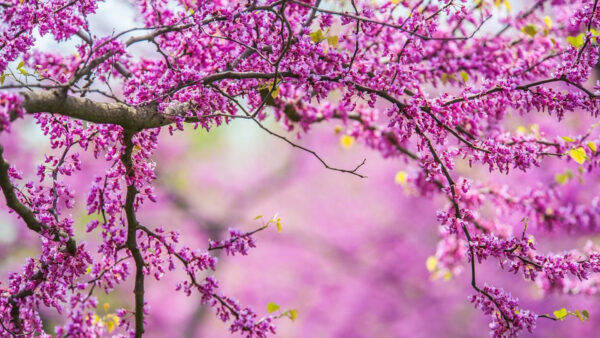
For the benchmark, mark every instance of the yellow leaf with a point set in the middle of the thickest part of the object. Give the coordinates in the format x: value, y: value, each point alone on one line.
x: 97, y: 319
x: 431, y: 263
x: 464, y: 75
x: 272, y: 307
x: 531, y: 240
x: 578, y: 155
x: 560, y: 314
x: 400, y: 177
x: 548, y: 22
x: 106, y: 306
x: 337, y: 129
x: 88, y: 270
x: 507, y: 5
x: 521, y: 130
x: 535, y: 129
x: 346, y: 141
x: 578, y: 314
x: 257, y: 217
x: 447, y: 275
x: 594, y: 32
x: 575, y: 41
x: 293, y: 314
x: 23, y: 71
x: 110, y: 326
x: 2, y: 78
x: 278, y: 223
x: 275, y: 93
x: 568, y: 139
x: 592, y: 146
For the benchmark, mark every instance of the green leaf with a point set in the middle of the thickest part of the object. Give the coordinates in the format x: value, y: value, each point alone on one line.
x: 595, y: 32
x: 564, y: 177
x: 446, y: 76
x: 257, y: 217
x: 560, y: 314
x: 568, y: 139
x: 585, y: 314
x: 530, y: 30
x: 317, y: 36
x: 21, y: 64
x: 578, y: 155
x: 576, y: 41
x: 23, y: 71
x: 333, y: 41
x: 272, y: 307
x: 2, y: 78
x: 464, y: 75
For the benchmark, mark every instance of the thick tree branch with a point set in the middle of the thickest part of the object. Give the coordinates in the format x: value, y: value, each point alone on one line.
x: 131, y: 243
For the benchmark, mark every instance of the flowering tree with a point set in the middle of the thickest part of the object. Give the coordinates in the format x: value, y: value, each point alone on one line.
x: 430, y: 84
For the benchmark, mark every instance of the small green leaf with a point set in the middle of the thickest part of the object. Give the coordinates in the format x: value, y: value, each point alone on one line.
x: 564, y: 177
x: 23, y: 71
x: 317, y: 36
x: 446, y: 76
x: 530, y: 30
x: 258, y: 217
x: 560, y: 314
x: 2, y: 78
x: 576, y: 41
x: 464, y: 75
x: 272, y: 307
x: 585, y: 314
x: 568, y: 139
x: 333, y: 41
x: 578, y: 314
x: 595, y: 32
x: 21, y: 64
